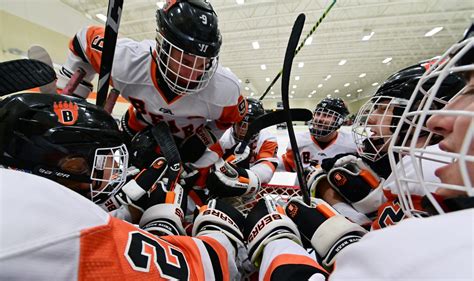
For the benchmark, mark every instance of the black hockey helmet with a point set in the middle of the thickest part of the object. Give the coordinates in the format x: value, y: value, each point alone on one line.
x: 65, y: 139
x: 254, y: 110
x: 328, y: 116
x: 190, y: 25
x: 389, y: 103
x: 188, y: 42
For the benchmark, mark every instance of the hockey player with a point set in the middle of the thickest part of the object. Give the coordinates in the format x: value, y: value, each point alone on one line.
x: 176, y: 79
x: 323, y: 140
x: 78, y: 144
x: 354, y: 180
x: 254, y: 167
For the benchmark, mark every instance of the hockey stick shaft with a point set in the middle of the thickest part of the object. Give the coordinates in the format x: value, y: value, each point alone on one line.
x: 162, y: 134
x: 285, y: 82
x: 114, y: 13
x: 273, y: 118
x: 313, y: 29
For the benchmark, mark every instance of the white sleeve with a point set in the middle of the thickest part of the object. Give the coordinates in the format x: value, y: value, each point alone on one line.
x: 122, y: 213
x: 350, y: 213
x: 263, y: 172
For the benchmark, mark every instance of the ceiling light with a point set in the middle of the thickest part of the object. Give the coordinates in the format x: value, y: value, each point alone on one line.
x: 433, y: 31
x: 360, y: 90
x: 247, y: 88
x: 342, y: 62
x: 255, y: 45
x: 267, y: 79
x: 309, y: 40
x: 348, y: 95
x: 347, y: 84
x: 263, y: 67
x: 310, y: 96
x: 313, y: 92
x: 328, y: 96
x: 294, y: 86
x: 252, y: 93
x: 292, y: 92
x: 297, y: 78
x: 320, y: 85
x: 291, y: 96
x: 328, y: 77
x: 336, y: 91
x: 375, y: 84
x: 160, y: 4
x: 272, y: 93
x: 240, y: 2
x: 387, y: 60
x: 367, y: 36
x: 300, y: 64
x: 240, y: 81
x: 102, y: 17
x: 362, y: 75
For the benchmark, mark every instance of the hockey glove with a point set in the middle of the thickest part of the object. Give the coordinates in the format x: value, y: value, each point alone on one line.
x: 267, y: 222
x: 354, y: 181
x: 166, y: 218
x: 326, y: 230
x: 237, y: 157
x: 217, y: 216
x: 314, y: 176
x: 228, y: 180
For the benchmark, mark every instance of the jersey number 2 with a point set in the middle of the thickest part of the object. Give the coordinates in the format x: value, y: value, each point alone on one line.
x: 168, y: 260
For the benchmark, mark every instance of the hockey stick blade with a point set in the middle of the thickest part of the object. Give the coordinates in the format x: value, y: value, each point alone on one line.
x: 37, y: 52
x: 162, y: 134
x: 114, y: 14
x: 273, y: 118
x: 285, y: 82
x: 24, y: 74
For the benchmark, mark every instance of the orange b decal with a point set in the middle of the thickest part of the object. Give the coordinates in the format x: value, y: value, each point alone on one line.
x: 67, y: 112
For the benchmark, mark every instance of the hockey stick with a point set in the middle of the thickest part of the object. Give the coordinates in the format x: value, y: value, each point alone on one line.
x: 273, y: 118
x: 315, y: 26
x: 73, y: 82
x: 24, y: 74
x: 285, y: 82
x: 162, y: 134
x: 37, y: 52
x: 111, y: 100
x: 114, y: 13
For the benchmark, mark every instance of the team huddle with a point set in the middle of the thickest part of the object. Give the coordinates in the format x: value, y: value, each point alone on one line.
x: 86, y: 198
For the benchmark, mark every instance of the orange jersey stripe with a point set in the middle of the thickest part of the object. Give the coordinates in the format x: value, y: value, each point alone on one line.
x: 268, y: 150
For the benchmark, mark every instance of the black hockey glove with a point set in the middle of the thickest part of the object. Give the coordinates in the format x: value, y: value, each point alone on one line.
x: 267, y: 222
x: 322, y: 227
x: 227, y: 180
x: 355, y: 181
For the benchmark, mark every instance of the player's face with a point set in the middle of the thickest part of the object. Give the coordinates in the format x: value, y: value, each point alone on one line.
x: 458, y: 138
x: 102, y: 177
x: 186, y: 68
x: 379, y: 122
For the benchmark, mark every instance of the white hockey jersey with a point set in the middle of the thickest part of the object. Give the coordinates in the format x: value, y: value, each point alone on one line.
x: 311, y: 151
x: 263, y: 158
x: 135, y: 75
x: 49, y: 232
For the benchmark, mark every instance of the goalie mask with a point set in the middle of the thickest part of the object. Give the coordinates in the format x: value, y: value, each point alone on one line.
x: 329, y: 115
x: 187, y: 44
x: 254, y: 110
x: 65, y: 139
x: 377, y: 119
x: 454, y: 122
